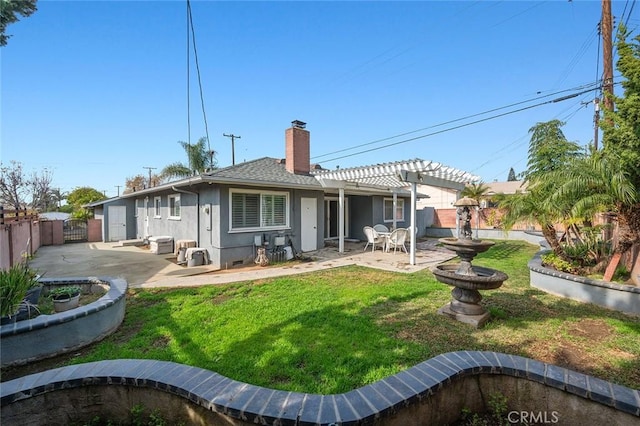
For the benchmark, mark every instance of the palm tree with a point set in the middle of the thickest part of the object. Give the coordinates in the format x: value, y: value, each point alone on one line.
x: 530, y: 206
x: 200, y: 158
x: 598, y: 184
x: 477, y: 191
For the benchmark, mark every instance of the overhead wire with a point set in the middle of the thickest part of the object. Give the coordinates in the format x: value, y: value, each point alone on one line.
x: 188, y: 82
x: 588, y: 85
x: 523, y: 140
x: 195, y: 55
x: 633, y: 3
x: 577, y: 56
x: 460, y: 126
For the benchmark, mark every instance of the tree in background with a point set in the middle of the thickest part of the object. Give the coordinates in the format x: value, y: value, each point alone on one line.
x: 9, y: 11
x: 57, y: 197
x: 81, y: 196
x: 200, y: 160
x: 549, y: 150
x: 477, y: 191
x: 512, y: 175
x: 139, y: 182
x: 40, y: 184
x: 14, y: 185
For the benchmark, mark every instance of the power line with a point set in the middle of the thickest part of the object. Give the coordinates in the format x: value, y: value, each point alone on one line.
x: 191, y: 34
x: 450, y: 122
x: 461, y: 125
x: 195, y: 55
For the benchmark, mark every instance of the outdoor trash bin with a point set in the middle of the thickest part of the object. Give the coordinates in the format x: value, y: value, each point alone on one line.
x: 197, y: 256
x: 182, y: 255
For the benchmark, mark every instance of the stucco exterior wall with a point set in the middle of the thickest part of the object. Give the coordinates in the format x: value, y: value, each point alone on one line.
x: 204, y: 217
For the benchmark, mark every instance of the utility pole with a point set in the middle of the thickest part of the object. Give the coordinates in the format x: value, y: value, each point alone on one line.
x: 607, y: 55
x: 149, y: 168
x: 118, y: 186
x: 596, y: 122
x: 233, y: 148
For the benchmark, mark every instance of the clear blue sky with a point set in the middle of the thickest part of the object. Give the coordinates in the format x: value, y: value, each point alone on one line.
x: 96, y: 91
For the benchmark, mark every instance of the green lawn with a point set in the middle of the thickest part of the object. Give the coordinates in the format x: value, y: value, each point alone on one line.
x: 332, y: 331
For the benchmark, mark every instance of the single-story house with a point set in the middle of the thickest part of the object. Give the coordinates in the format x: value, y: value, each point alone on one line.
x: 228, y: 211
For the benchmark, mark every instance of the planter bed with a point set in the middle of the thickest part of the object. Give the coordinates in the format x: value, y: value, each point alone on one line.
x: 620, y: 297
x: 49, y: 335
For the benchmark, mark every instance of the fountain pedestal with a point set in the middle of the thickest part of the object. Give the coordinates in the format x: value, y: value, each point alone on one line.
x: 467, y: 279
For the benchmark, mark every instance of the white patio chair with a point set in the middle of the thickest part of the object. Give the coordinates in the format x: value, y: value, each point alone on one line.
x: 373, y: 238
x: 380, y: 228
x: 397, y: 239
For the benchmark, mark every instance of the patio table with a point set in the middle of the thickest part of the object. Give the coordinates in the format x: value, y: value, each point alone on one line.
x: 386, y: 236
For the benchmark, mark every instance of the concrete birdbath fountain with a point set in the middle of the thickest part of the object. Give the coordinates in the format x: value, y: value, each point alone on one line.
x: 467, y: 279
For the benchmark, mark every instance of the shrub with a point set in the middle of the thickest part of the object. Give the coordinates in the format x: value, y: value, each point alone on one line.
x: 14, y: 284
x: 553, y: 261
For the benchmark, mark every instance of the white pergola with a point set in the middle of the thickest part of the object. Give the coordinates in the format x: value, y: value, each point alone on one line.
x: 393, y: 177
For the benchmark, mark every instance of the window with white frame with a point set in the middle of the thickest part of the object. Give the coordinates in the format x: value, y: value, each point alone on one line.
x: 174, y: 206
x: 388, y: 210
x: 253, y: 209
x: 156, y: 207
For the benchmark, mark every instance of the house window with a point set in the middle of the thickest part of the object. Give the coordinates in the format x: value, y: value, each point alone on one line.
x: 174, y: 207
x: 388, y: 210
x: 259, y: 209
x: 156, y: 207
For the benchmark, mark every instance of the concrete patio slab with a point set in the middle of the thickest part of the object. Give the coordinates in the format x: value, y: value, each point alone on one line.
x: 143, y: 269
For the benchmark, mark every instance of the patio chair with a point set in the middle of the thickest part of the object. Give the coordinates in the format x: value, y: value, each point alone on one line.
x: 380, y: 228
x: 373, y: 238
x: 397, y: 239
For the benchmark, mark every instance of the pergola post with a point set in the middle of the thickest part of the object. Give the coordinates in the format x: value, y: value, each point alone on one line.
x: 341, y: 221
x: 412, y: 248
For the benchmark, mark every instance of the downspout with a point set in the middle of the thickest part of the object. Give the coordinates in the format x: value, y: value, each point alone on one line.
x: 197, y: 194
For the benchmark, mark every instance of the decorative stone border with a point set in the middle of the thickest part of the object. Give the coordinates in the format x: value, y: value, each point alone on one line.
x: 624, y: 298
x: 49, y: 335
x: 432, y: 392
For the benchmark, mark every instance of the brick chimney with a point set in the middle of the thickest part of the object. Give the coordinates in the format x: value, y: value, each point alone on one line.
x: 297, y: 148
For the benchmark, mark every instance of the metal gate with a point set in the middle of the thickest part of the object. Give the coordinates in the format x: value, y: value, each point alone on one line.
x: 75, y: 231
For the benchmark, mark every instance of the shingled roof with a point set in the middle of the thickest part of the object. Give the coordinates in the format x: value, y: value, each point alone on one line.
x: 265, y: 170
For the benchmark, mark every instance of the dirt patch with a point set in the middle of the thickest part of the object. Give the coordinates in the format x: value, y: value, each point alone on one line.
x: 220, y: 299
x: 594, y: 330
x: 573, y: 350
x: 160, y: 342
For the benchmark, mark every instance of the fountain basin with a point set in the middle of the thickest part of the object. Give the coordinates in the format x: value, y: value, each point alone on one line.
x: 484, y: 278
x: 466, y: 246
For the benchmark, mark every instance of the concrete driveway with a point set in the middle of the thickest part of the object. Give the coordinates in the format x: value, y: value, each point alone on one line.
x: 135, y: 264
x: 143, y: 269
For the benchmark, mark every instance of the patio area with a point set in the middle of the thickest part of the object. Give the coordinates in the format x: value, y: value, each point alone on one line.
x: 142, y: 269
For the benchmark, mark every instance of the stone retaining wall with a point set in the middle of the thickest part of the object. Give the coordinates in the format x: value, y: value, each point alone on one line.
x: 623, y: 298
x: 432, y: 392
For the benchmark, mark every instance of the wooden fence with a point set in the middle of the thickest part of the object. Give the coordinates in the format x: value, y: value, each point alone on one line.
x: 19, y: 236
